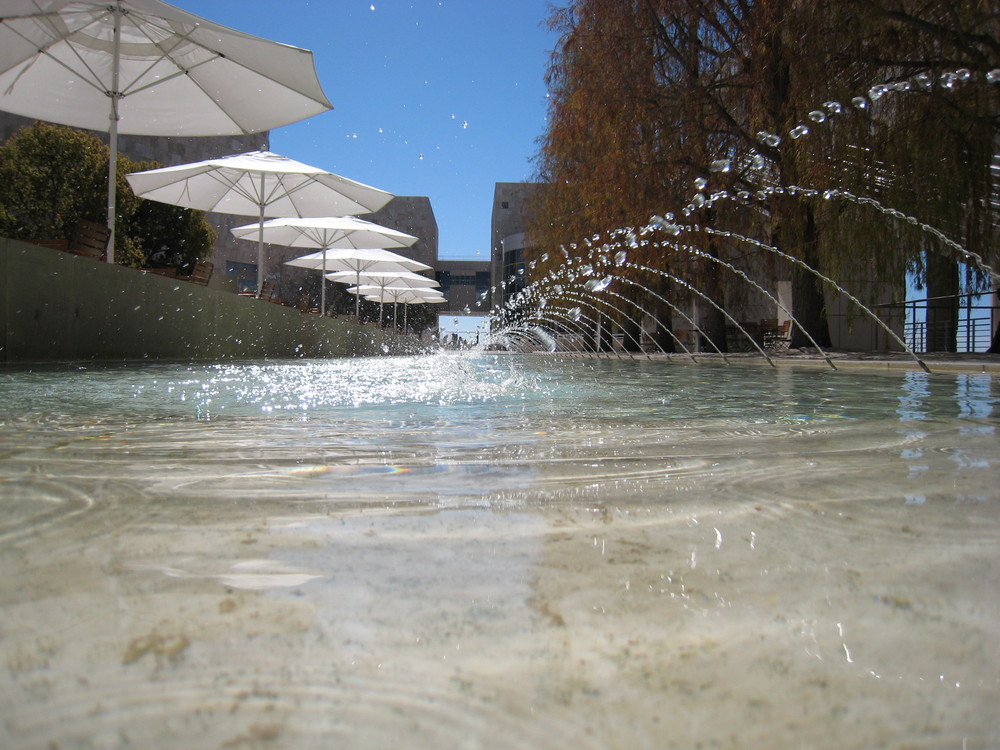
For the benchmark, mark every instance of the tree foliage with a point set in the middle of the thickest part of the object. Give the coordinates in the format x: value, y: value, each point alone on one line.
x: 52, y: 176
x: 891, y: 104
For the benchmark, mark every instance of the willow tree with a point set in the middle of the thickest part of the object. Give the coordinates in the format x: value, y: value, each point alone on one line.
x: 598, y: 161
x: 910, y: 121
x: 623, y: 142
x: 743, y: 81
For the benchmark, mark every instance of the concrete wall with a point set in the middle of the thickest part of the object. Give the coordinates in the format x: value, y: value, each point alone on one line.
x: 55, y: 306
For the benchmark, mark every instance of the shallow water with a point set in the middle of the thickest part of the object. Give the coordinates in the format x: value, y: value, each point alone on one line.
x: 493, y: 552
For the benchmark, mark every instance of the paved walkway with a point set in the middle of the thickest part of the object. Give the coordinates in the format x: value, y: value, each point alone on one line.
x: 937, y: 362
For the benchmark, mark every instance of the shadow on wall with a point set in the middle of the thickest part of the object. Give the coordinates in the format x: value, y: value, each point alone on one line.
x: 58, y: 307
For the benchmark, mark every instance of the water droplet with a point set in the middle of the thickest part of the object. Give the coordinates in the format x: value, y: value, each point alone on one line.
x: 817, y: 116
x: 719, y: 165
x: 698, y: 201
x: 798, y: 131
x: 901, y: 86
x: 877, y: 92
x: 545, y: 256
x: 598, y: 285
x: 700, y: 183
x: 758, y: 161
x: 621, y: 256
x: 587, y: 270
x: 860, y: 102
x: 575, y: 313
x: 543, y: 302
x: 924, y: 81
x: 993, y: 76
x: 833, y: 108
x: 768, y: 139
x: 963, y: 74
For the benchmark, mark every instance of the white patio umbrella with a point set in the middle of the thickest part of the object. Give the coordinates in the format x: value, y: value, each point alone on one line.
x: 260, y: 184
x: 346, y: 243
x: 360, y: 260
x: 414, y: 297
x: 395, y: 295
x: 382, y: 280
x: 144, y: 67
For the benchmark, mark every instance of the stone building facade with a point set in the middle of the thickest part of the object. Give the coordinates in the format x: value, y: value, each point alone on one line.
x: 509, y: 242
x: 466, y: 284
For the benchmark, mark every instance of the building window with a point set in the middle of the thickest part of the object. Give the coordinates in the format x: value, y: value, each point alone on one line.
x: 504, y: 204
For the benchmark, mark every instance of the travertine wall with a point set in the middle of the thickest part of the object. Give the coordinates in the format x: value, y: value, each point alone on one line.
x: 511, y: 203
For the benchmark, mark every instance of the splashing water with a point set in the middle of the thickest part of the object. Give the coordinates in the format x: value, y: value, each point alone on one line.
x: 702, y: 199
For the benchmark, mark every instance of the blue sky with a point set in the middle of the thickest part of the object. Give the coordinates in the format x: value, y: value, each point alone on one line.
x: 441, y: 98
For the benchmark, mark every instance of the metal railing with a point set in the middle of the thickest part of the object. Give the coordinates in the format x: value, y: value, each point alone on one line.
x: 972, y: 330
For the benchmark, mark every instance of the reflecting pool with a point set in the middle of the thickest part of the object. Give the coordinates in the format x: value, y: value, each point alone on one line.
x: 464, y: 550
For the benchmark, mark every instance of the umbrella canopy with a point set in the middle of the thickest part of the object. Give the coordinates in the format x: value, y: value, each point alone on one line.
x: 392, y: 294
x: 328, y: 232
x: 401, y: 280
x: 147, y: 68
x: 408, y: 296
x: 358, y: 260
x: 258, y: 183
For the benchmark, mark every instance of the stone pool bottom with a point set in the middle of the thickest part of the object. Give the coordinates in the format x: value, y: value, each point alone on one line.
x: 491, y: 553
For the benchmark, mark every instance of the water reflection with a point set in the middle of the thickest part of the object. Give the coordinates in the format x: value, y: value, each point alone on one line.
x: 497, y: 552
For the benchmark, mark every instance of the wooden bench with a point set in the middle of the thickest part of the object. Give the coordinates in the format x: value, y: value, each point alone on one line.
x: 89, y: 239
x: 201, y: 273
x: 168, y: 272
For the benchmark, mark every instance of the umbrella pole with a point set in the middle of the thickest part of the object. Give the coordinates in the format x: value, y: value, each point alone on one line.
x: 113, y: 135
x: 357, y: 297
x: 260, y: 246
x: 395, y: 323
x: 322, y: 287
